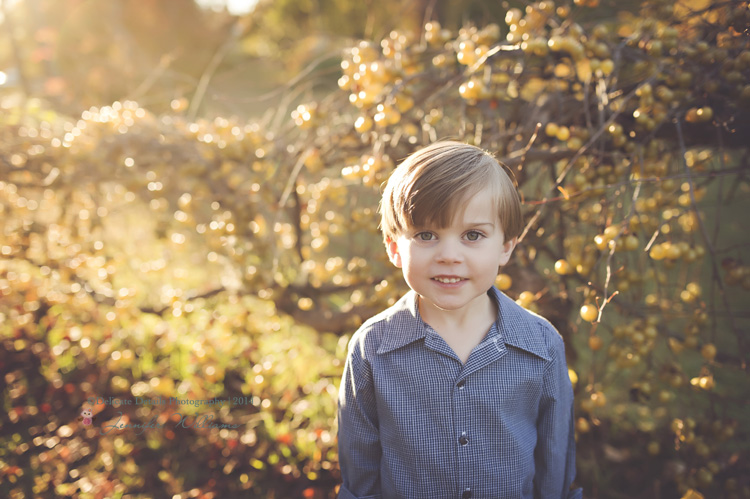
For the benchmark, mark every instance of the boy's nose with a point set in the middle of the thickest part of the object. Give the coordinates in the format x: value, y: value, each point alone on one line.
x: 449, y: 252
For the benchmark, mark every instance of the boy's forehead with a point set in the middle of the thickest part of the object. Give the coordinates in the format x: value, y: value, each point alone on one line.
x: 476, y: 205
x: 468, y: 215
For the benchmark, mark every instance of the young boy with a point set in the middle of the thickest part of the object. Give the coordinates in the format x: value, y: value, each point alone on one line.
x: 455, y: 391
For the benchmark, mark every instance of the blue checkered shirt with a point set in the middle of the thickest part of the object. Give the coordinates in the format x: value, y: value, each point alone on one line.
x: 415, y: 422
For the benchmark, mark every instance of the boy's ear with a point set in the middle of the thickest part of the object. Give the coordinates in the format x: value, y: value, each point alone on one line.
x: 393, y: 255
x: 507, y: 250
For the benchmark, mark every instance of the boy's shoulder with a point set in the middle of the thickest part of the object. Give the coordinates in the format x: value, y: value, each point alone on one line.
x: 398, y: 323
x: 525, y: 329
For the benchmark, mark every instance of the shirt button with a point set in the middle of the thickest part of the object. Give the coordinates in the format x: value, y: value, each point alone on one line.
x: 461, y: 384
x: 466, y: 494
x: 463, y: 439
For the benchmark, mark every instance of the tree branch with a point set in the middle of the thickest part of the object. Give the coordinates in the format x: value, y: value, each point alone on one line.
x: 709, y: 244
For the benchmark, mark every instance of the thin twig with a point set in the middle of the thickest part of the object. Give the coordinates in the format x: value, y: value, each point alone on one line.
x: 720, y: 140
x: 293, y: 176
x: 709, y: 175
x: 611, y: 255
x: 164, y: 63
x: 592, y: 140
x: 234, y: 35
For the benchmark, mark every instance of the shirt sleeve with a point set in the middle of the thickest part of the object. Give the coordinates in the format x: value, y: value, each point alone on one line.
x: 555, y: 454
x: 359, y: 439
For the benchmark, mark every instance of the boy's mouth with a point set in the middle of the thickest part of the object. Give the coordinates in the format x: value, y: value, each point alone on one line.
x: 447, y: 280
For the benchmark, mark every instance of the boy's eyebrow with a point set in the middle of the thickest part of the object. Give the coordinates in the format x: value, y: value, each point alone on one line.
x: 480, y: 223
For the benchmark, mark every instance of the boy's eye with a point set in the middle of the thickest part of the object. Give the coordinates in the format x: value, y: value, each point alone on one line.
x: 424, y: 236
x: 473, y: 235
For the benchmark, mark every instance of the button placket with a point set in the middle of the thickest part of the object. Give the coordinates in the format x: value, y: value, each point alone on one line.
x: 460, y: 401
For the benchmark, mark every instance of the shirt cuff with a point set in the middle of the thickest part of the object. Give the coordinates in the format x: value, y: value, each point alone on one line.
x: 345, y: 494
x: 575, y: 494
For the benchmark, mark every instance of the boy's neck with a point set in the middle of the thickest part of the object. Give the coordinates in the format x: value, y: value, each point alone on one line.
x: 477, y: 314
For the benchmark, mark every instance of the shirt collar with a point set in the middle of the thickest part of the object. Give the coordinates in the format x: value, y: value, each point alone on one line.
x: 513, y: 324
x: 404, y: 324
x: 519, y: 327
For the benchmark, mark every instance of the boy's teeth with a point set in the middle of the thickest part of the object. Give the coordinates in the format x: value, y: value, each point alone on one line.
x: 445, y: 280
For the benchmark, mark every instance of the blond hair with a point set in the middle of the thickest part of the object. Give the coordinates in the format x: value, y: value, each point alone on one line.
x: 430, y: 186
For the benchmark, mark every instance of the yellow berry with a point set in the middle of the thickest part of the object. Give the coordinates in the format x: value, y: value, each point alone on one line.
x: 595, y: 343
x: 562, y: 267
x: 709, y: 351
x: 563, y: 134
x: 525, y: 299
x: 363, y: 124
x: 503, y: 282
x: 589, y: 313
x: 657, y: 252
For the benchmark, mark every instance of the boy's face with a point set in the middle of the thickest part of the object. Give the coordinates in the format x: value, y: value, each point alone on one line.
x: 452, y: 268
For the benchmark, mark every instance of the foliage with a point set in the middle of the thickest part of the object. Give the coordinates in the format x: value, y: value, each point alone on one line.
x: 271, y: 435
x: 79, y: 53
x: 627, y: 138
x: 150, y: 52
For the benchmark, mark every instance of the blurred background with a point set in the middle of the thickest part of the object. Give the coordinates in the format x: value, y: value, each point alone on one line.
x: 188, y: 195
x: 79, y: 54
